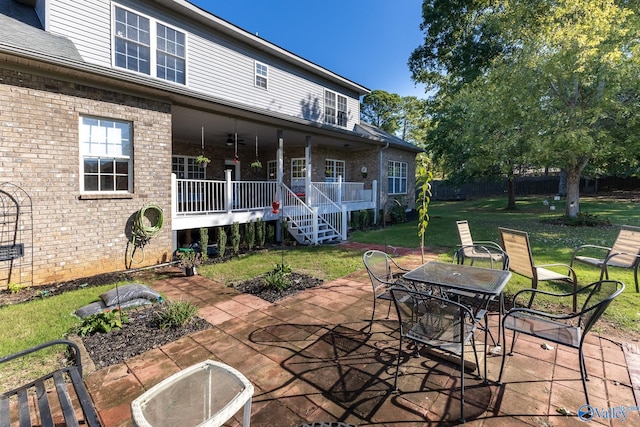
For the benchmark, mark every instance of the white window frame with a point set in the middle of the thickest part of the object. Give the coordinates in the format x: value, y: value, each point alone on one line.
x: 335, y: 108
x: 298, y: 168
x: 186, y: 167
x: 105, y: 144
x: 177, y: 52
x: 397, y: 174
x: 261, y: 72
x: 337, y: 169
x: 272, y: 170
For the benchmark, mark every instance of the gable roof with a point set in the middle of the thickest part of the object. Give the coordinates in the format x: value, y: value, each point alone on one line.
x: 372, y: 132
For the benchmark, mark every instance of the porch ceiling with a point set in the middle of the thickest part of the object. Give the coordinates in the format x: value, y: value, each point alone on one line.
x: 220, y: 126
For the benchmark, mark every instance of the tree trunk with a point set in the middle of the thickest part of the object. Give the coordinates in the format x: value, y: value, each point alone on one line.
x: 511, y: 192
x: 572, y: 207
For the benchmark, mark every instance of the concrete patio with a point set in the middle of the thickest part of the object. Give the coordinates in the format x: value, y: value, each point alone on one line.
x: 310, y: 360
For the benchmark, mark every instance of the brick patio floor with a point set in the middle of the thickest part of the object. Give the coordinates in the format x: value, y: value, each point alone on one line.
x: 310, y: 360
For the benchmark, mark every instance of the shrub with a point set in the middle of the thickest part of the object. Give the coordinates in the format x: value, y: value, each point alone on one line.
x: 222, y: 241
x: 102, y: 322
x: 14, y: 288
x: 398, y: 212
x: 235, y: 237
x: 176, y: 314
x: 278, y: 278
x: 250, y: 233
x: 204, y: 242
x: 261, y: 232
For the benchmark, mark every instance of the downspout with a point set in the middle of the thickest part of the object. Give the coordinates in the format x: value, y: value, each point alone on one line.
x: 375, y: 214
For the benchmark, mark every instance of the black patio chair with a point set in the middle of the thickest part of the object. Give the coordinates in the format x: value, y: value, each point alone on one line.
x: 384, y: 272
x: 565, y: 329
x: 435, y: 322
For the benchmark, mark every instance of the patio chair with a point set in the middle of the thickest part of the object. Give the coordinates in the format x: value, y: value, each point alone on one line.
x: 516, y: 246
x: 565, y: 329
x: 383, y: 272
x: 437, y: 323
x: 497, y: 259
x: 625, y: 253
x: 476, y: 250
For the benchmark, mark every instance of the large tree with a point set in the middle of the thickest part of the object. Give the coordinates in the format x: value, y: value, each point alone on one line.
x: 556, y: 95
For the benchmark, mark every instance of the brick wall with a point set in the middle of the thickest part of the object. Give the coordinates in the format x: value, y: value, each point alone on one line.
x: 76, y: 237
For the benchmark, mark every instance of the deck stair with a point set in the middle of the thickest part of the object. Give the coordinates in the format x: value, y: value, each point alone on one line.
x: 311, y: 225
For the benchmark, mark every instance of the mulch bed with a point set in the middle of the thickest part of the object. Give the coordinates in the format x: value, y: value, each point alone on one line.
x: 257, y: 286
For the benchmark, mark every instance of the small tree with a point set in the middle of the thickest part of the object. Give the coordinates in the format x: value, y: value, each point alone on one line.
x: 204, y: 242
x: 250, y: 232
x: 235, y: 237
x: 222, y: 241
x: 424, y: 177
x: 261, y: 232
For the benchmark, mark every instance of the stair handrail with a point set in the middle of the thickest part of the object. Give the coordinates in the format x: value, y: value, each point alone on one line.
x: 298, y: 204
x: 315, y: 192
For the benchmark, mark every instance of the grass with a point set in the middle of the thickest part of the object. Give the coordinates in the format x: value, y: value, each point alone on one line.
x: 550, y: 243
x: 32, y: 323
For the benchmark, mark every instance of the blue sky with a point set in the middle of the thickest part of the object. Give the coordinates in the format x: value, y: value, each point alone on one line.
x: 366, y: 41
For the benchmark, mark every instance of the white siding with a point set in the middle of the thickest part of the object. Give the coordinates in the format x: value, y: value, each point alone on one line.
x: 216, y: 65
x: 87, y: 23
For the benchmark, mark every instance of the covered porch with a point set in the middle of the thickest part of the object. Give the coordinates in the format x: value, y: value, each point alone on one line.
x: 316, y: 174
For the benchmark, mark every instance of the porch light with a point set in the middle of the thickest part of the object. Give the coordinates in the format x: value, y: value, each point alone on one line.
x: 363, y: 170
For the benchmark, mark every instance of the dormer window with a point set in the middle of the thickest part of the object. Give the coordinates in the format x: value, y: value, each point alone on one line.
x: 335, y: 108
x: 261, y: 75
x: 149, y: 47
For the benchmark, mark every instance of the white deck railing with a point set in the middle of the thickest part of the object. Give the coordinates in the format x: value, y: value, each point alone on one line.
x: 204, y: 197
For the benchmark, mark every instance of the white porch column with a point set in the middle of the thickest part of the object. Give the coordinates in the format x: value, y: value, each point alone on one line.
x: 374, y: 199
x: 307, y: 162
x: 339, y: 201
x: 315, y: 225
x: 279, y: 235
x: 228, y: 190
x: 345, y: 225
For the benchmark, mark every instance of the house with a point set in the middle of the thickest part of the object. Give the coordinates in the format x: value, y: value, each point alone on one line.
x: 107, y: 106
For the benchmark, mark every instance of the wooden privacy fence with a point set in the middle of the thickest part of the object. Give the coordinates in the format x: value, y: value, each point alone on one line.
x: 529, y: 185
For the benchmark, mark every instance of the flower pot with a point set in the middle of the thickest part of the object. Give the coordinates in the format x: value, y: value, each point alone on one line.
x: 190, y: 271
x: 275, y: 207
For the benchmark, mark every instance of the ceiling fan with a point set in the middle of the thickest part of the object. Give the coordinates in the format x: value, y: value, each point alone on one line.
x: 231, y: 140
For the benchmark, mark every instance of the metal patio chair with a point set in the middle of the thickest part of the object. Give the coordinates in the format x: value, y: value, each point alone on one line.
x: 437, y: 323
x: 565, y: 329
x: 625, y: 253
x: 476, y: 250
x: 517, y: 247
x: 384, y: 272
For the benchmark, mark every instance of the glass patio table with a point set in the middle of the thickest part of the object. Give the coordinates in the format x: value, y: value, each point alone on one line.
x: 479, y: 285
x: 205, y: 394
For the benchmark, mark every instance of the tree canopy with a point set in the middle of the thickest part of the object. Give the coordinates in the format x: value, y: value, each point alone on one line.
x: 557, y: 85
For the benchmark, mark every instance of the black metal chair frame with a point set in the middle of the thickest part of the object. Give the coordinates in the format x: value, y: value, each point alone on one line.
x: 381, y: 282
x: 557, y: 328
x: 438, y: 316
x: 481, y: 313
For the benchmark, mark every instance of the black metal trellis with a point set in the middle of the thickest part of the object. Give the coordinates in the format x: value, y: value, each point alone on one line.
x: 16, y: 237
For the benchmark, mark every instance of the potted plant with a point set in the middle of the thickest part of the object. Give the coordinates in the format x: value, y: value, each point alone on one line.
x: 189, y: 259
x: 256, y: 165
x: 203, y: 161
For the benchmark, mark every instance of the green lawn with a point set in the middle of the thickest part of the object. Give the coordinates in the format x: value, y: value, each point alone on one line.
x: 550, y: 243
x: 49, y: 318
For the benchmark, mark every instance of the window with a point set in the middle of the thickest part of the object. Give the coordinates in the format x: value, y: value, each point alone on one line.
x: 333, y: 169
x: 298, y: 168
x: 261, y: 75
x: 136, y: 38
x: 397, y: 176
x: 187, y: 168
x: 272, y: 170
x: 106, y: 149
x: 335, y: 109
x: 170, y: 54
